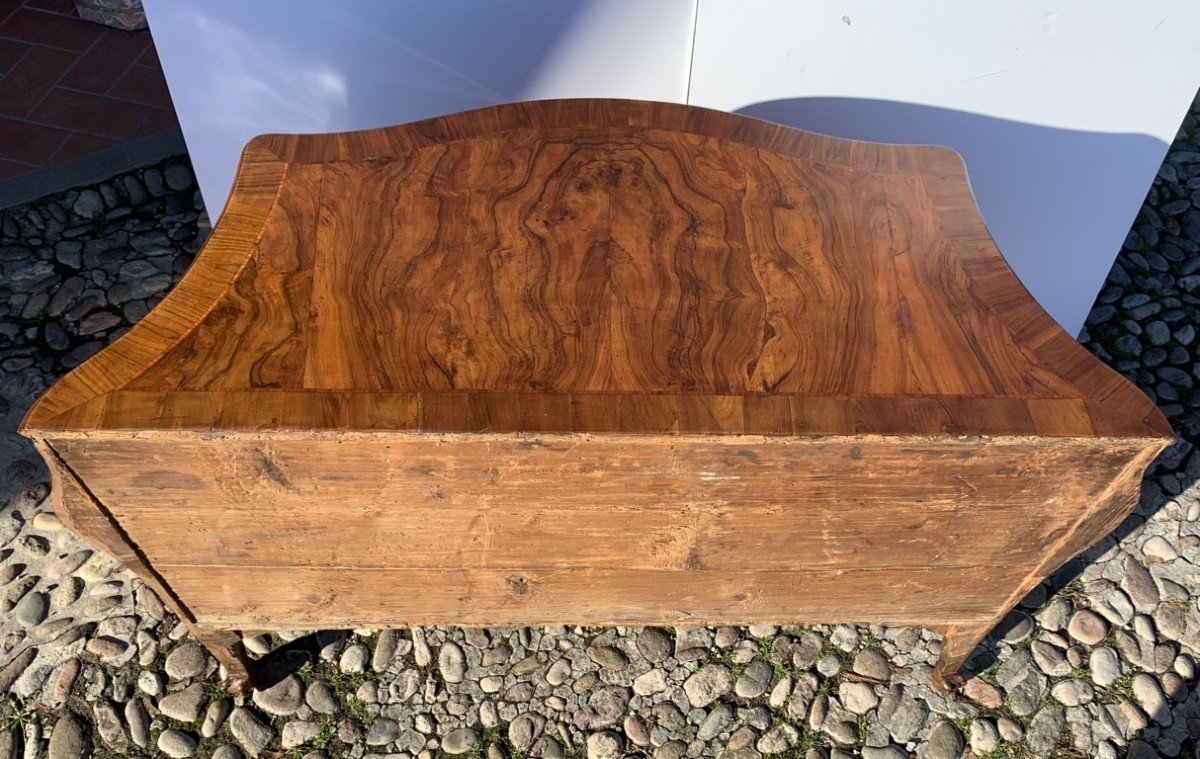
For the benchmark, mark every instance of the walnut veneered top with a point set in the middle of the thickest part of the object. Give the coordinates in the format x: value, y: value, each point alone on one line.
x: 599, y: 265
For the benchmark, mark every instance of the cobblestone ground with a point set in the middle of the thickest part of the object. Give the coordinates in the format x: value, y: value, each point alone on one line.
x: 1098, y: 662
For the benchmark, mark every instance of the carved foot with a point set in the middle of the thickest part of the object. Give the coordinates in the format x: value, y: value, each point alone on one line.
x: 226, y: 647
x: 236, y: 685
x: 947, y: 682
x: 957, y: 644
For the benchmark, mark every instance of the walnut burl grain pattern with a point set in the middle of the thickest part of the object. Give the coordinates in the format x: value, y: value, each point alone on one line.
x: 595, y: 362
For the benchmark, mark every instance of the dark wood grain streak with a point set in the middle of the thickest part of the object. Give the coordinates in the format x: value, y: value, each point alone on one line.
x: 598, y: 362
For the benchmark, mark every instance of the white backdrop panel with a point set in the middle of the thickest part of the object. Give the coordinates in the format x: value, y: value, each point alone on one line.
x: 1061, y: 109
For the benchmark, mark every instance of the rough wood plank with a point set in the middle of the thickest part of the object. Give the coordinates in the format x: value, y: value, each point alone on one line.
x: 568, y: 501
x: 249, y: 598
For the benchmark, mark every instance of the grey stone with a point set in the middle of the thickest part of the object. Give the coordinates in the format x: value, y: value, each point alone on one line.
x: 754, y: 680
x: 871, y: 663
x: 1045, y: 729
x: 138, y: 721
x: 70, y: 738
x: 108, y: 724
x: 1159, y: 549
x: 984, y: 738
x: 184, y: 705
x: 426, y: 724
x: 1170, y: 621
x: 1141, y: 750
x: 214, y: 717
x: 383, y: 731
x: 187, y: 660
x: 460, y: 741
x: 150, y: 683
x: 1050, y: 659
x: 1185, y: 667
x: 1115, y: 606
x: 1140, y: 585
x: 176, y: 743
x: 88, y: 204
x: 604, y: 745
x: 1010, y: 730
x: 10, y: 744
x: 525, y: 729
x: 297, y: 733
x: 99, y: 321
x: 608, y: 657
x: 645, y: 684
x: 715, y: 722
x: 605, y: 707
x: 10, y: 572
x: 282, y: 698
x: 32, y: 609
x: 1149, y: 695
x: 902, y: 714
x: 354, y: 659
x: 636, y: 730
x: 547, y: 747
x: 178, y: 176
x: 1015, y: 668
x: 1158, y: 333
x: 1025, y: 696
x: 385, y: 650
x: 858, y: 698
x: 1072, y: 692
x: 778, y: 739
x: 67, y: 593
x: 250, y: 731
x: 321, y: 698
x: 1105, y: 666
x: 829, y: 665
x: 707, y: 685
x: 1087, y: 627
x: 654, y: 644
x: 452, y: 664
x: 1015, y: 627
x: 498, y: 654
x: 943, y: 742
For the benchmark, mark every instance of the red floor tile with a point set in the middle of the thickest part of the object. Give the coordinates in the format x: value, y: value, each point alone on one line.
x: 51, y: 30
x: 32, y: 78
x: 81, y: 144
x: 69, y: 88
x: 62, y: 7
x: 29, y: 143
x: 7, y: 7
x: 143, y: 84
x: 93, y: 114
x: 104, y: 64
x: 159, y: 120
x: 10, y: 169
x: 11, y: 51
x: 150, y: 56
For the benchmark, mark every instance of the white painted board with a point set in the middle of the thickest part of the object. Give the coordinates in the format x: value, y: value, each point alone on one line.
x: 237, y: 69
x: 1062, y: 109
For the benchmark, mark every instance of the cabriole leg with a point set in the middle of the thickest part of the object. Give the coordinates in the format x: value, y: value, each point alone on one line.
x: 957, y: 644
x: 226, y: 647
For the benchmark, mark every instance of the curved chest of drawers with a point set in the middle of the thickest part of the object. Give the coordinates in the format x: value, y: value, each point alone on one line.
x: 595, y: 362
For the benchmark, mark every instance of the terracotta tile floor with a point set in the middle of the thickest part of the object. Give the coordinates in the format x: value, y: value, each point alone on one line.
x: 69, y: 87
